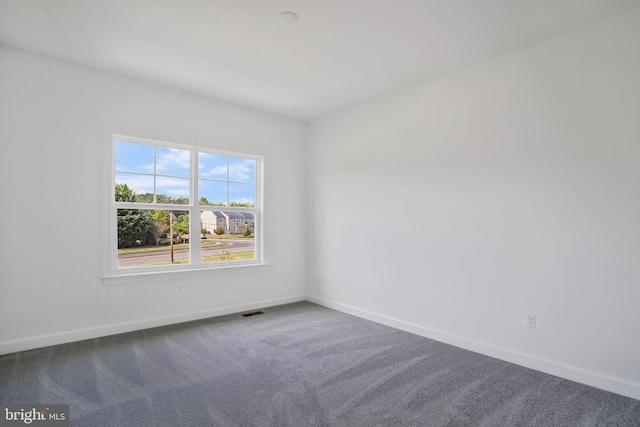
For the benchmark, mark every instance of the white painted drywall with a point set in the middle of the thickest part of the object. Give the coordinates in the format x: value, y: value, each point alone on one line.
x: 453, y: 207
x: 51, y: 132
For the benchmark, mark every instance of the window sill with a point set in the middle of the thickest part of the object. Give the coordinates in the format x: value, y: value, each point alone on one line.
x: 156, y: 276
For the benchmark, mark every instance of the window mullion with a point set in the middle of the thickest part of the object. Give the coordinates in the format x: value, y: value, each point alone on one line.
x: 194, y: 235
x: 194, y: 216
x: 155, y: 176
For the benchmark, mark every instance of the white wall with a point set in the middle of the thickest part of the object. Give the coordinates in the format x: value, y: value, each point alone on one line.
x: 51, y: 132
x: 517, y: 181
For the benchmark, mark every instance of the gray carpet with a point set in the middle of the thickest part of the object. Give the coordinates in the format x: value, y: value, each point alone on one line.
x: 296, y: 365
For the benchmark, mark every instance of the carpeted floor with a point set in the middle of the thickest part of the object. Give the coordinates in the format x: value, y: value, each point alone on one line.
x: 296, y: 365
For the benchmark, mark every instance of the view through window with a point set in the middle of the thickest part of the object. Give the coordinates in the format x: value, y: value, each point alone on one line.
x: 183, y: 207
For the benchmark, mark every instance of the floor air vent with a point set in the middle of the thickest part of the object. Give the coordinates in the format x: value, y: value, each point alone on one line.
x: 253, y: 313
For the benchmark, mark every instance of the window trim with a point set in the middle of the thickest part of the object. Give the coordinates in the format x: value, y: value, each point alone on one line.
x: 110, y: 272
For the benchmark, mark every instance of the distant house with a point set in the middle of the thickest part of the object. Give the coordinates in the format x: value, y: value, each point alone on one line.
x: 232, y: 222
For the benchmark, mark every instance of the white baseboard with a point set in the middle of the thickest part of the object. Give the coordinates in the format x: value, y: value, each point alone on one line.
x: 119, y: 328
x: 573, y: 373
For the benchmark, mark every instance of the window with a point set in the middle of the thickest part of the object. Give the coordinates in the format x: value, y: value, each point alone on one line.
x: 176, y: 207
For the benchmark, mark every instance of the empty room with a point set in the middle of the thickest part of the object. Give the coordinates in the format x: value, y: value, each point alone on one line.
x: 320, y: 213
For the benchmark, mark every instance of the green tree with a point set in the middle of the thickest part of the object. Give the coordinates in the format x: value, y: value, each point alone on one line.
x: 163, y: 198
x: 159, y: 224
x: 181, y: 225
x: 204, y: 202
x: 133, y: 224
x: 219, y: 231
x: 144, y: 198
x: 124, y: 193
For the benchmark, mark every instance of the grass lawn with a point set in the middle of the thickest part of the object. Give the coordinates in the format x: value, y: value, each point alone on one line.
x: 231, y: 257
x: 215, y: 258
x: 229, y: 236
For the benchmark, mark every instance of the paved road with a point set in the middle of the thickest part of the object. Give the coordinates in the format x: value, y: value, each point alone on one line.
x: 232, y: 246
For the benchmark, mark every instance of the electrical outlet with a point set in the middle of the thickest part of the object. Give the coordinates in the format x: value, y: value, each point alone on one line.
x: 530, y: 320
x: 181, y: 288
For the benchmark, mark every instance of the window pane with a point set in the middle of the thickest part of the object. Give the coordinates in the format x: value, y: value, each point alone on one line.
x: 136, y: 184
x: 212, y: 193
x: 227, y: 236
x: 172, y: 161
x: 212, y: 166
x: 172, y: 190
x: 144, y: 237
x: 242, y: 170
x: 241, y: 194
x: 132, y: 157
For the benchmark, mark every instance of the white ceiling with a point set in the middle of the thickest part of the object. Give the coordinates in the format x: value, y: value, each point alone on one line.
x: 339, y: 53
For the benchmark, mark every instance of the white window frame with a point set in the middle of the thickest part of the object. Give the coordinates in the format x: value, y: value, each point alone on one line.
x: 114, y: 275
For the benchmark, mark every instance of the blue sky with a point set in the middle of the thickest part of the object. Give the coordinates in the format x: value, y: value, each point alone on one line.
x: 217, y: 173
x: 215, y: 166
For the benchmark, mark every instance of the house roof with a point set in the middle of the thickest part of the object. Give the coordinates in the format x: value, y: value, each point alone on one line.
x: 234, y: 214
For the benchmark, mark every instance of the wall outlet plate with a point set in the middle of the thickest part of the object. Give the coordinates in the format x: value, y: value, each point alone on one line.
x: 530, y: 320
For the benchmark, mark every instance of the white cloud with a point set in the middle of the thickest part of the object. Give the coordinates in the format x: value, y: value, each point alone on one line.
x: 173, y: 161
x: 140, y: 184
x: 217, y: 172
x: 175, y: 187
x: 242, y: 171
